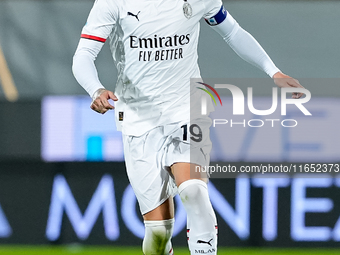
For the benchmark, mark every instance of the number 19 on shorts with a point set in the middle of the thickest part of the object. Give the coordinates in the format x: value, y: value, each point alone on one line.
x: 195, y: 132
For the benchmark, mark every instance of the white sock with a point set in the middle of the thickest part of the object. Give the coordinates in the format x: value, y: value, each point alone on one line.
x: 201, y: 221
x: 157, y: 239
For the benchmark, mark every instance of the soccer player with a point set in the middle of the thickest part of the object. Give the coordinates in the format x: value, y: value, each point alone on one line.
x: 154, y: 47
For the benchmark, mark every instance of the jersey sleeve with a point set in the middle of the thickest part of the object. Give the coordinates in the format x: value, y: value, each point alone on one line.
x: 243, y: 43
x: 212, y: 7
x: 102, y: 18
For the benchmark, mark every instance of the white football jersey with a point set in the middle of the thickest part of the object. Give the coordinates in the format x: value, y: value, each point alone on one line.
x: 154, y: 46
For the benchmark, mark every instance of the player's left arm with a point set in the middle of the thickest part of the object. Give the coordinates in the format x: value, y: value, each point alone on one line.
x: 246, y: 46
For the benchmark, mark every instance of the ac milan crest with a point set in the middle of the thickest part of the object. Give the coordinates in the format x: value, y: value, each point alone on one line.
x: 187, y: 10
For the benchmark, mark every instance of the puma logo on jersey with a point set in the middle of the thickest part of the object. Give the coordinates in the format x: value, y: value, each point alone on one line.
x: 201, y: 241
x: 134, y: 15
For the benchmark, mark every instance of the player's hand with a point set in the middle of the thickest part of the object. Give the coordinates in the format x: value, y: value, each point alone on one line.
x: 100, y: 101
x: 284, y: 81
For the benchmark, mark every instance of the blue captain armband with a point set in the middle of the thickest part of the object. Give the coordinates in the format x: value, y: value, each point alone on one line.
x: 218, y: 18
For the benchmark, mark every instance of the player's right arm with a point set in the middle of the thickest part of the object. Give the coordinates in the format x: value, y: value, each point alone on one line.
x: 94, y: 34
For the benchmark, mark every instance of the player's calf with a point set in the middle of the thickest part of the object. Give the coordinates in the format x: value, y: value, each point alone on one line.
x: 202, y: 225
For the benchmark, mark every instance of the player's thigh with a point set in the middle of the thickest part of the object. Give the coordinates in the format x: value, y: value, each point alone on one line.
x: 183, y: 171
x: 164, y: 211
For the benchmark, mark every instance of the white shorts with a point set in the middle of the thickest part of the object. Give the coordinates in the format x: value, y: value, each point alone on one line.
x: 148, y: 158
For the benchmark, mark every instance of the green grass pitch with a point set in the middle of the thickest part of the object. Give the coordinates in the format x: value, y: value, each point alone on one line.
x: 106, y: 250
